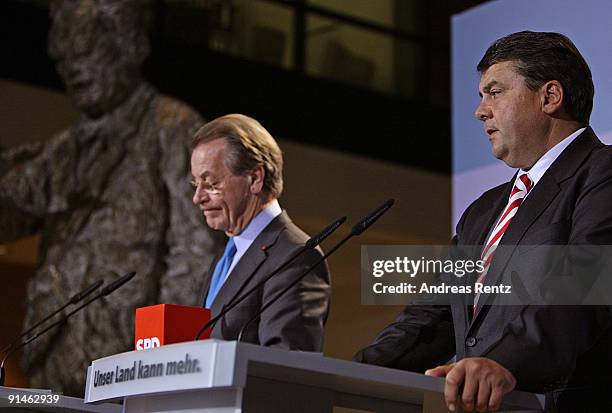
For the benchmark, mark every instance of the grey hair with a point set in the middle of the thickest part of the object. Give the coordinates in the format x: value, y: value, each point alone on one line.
x: 251, y: 145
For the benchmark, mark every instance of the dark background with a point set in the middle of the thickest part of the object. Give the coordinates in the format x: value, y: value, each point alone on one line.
x: 288, y: 101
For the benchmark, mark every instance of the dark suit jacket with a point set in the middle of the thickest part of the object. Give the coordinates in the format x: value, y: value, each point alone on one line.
x: 296, y: 321
x: 554, y: 349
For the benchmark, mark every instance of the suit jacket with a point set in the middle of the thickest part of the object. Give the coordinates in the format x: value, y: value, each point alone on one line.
x: 296, y: 321
x: 553, y: 349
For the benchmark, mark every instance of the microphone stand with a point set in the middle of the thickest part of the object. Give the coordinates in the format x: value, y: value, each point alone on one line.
x: 105, y: 291
x: 358, y: 229
x: 310, y: 244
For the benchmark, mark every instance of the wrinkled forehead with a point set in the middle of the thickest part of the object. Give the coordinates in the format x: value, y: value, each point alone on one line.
x: 209, y: 158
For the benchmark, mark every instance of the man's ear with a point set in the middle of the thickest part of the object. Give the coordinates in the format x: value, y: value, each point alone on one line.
x: 552, y: 97
x: 257, y: 179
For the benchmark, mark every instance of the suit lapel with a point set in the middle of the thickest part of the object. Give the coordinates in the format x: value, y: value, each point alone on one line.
x: 542, y: 195
x: 239, y: 279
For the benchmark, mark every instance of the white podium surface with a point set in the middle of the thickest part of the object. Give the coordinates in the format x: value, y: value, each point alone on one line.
x: 227, y: 376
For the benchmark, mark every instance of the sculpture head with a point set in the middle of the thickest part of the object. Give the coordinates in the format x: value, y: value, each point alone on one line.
x: 98, y: 47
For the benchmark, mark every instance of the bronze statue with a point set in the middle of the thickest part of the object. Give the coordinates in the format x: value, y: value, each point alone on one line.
x: 110, y: 194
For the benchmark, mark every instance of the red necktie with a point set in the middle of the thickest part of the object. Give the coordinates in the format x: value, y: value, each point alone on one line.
x: 522, y: 186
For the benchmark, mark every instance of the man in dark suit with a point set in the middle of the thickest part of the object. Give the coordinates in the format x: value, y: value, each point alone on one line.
x: 237, y: 169
x: 536, y: 98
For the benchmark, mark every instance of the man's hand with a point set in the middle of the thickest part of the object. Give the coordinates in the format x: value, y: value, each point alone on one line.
x: 484, y: 381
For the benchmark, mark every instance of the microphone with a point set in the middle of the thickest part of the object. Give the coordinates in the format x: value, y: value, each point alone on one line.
x: 325, y: 232
x: 72, y: 300
x: 104, y: 292
x: 111, y: 287
x: 371, y: 218
x: 310, y: 244
x: 357, y: 229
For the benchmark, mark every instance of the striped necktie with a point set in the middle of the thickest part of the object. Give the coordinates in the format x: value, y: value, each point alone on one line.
x: 522, y: 186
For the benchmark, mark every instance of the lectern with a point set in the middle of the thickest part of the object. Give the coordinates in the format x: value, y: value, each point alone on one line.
x: 226, y: 376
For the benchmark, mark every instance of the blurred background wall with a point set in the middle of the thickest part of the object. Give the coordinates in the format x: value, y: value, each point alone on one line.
x: 320, y: 185
x: 357, y: 93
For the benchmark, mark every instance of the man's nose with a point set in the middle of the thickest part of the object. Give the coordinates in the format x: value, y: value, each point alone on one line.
x: 483, y: 111
x: 199, y: 195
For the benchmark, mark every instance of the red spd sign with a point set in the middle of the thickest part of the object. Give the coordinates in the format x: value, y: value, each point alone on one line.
x: 161, y: 324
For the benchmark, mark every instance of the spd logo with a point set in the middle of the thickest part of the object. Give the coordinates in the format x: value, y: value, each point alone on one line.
x: 145, y: 343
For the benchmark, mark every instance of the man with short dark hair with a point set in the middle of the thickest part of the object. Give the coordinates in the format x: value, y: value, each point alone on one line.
x: 536, y: 98
x: 237, y: 169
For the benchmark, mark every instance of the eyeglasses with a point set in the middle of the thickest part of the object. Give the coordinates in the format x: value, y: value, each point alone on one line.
x: 211, y: 188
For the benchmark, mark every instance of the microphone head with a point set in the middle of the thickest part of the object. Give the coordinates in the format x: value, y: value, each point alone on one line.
x: 326, y: 232
x: 372, y: 217
x: 79, y: 296
x: 117, y: 283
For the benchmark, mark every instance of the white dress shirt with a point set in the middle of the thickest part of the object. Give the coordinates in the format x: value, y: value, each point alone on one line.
x: 244, y: 240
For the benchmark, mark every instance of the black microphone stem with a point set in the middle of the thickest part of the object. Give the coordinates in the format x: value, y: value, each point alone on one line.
x: 49, y: 327
x: 72, y: 300
x: 357, y: 229
x: 310, y: 244
x: 236, y: 300
x: 105, y: 291
x: 287, y: 288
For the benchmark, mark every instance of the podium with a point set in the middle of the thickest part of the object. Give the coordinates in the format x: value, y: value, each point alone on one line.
x: 31, y: 400
x: 226, y: 376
